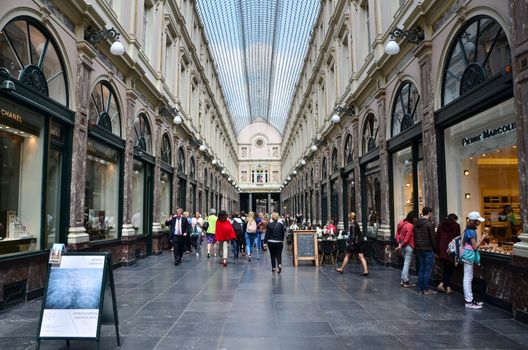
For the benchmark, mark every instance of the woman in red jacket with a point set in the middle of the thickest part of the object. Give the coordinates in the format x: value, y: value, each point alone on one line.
x: 447, y: 230
x: 224, y: 233
x: 405, y: 240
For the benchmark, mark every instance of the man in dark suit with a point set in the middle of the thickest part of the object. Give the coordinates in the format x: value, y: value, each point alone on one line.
x: 178, y: 234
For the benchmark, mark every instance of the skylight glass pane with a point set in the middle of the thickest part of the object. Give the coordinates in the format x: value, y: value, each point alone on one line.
x: 259, y: 48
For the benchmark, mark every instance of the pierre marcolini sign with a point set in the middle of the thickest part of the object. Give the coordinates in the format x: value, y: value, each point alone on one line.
x: 488, y: 133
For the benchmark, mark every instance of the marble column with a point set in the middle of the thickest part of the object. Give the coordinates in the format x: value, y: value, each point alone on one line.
x: 250, y: 202
x: 384, y: 231
x: 269, y: 203
x: 519, y: 13
x: 128, y: 230
x: 77, y: 236
x: 430, y: 161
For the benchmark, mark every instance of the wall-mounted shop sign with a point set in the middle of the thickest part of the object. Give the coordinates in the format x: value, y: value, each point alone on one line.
x: 6, y: 113
x: 489, y: 133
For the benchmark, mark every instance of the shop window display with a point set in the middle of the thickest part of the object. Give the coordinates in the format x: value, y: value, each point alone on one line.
x: 482, y: 173
x: 164, y: 193
x: 21, y: 159
x: 138, y: 190
x: 101, y: 191
x: 405, y: 196
x: 373, y: 198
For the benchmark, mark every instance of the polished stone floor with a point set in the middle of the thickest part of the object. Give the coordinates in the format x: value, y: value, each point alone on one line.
x: 203, y: 305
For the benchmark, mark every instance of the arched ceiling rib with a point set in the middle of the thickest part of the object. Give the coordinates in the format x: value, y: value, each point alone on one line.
x: 259, y: 48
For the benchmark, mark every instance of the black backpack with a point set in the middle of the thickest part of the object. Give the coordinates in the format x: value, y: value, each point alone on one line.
x: 237, y: 226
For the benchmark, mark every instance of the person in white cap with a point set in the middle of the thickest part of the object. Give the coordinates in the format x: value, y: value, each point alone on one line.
x: 471, y: 256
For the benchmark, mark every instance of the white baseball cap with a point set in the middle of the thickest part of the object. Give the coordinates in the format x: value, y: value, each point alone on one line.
x: 475, y: 215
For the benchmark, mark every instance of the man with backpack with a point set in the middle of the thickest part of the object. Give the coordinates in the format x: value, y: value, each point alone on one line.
x: 238, y: 226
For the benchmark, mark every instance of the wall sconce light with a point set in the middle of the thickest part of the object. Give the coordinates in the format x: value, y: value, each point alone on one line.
x: 467, y: 195
x: 303, y: 162
x: 414, y: 36
x: 466, y: 172
x: 223, y: 172
x: 294, y: 172
x: 315, y: 143
x: 202, y: 147
x: 214, y: 162
x: 349, y: 111
x: 94, y: 37
x: 7, y: 85
x: 169, y: 112
x: 288, y: 178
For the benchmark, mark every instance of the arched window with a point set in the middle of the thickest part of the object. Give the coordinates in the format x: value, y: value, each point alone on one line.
x: 166, y: 153
x: 335, y: 164
x: 324, y: 169
x: 181, y: 160
x: 370, y: 133
x: 30, y: 54
x: 192, y: 170
x: 480, y: 51
x: 348, y: 149
x: 406, y: 110
x: 103, y: 110
x: 142, y: 136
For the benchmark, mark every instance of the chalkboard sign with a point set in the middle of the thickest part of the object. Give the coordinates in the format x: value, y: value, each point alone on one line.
x: 305, y: 247
x: 79, y: 297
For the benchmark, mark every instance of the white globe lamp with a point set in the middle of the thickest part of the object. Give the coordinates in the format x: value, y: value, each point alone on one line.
x: 177, y: 120
x: 392, y: 47
x: 117, y: 48
x: 335, y: 118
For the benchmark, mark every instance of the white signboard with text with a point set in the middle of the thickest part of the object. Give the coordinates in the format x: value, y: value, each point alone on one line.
x: 73, y: 297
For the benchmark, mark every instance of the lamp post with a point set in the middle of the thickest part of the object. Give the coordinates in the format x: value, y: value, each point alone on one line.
x: 414, y: 36
x: 96, y: 36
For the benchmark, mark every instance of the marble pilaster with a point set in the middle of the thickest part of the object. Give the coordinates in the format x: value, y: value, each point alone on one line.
x: 383, y: 160
x: 77, y: 233
x: 519, y: 13
x: 130, y: 113
x: 157, y: 173
x: 430, y: 170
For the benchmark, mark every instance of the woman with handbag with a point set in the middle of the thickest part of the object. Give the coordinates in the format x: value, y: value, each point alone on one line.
x: 274, y: 240
x: 355, y: 245
x: 471, y: 256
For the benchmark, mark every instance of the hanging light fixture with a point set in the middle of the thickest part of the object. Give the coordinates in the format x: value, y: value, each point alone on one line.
x: 414, y: 36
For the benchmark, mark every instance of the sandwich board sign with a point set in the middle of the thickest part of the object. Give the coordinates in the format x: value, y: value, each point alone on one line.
x: 79, y: 297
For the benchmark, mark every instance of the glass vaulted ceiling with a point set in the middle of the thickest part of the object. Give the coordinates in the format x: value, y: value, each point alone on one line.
x: 259, y: 48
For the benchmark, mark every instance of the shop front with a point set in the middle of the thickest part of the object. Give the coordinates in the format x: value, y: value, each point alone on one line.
x: 35, y: 145
x: 479, y: 162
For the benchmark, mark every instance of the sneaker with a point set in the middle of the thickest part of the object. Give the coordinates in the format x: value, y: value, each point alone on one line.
x: 197, y: 254
x: 208, y: 255
x: 407, y: 284
x: 449, y: 291
x: 429, y: 292
x: 441, y: 288
x: 249, y: 257
x: 478, y: 302
x: 473, y: 305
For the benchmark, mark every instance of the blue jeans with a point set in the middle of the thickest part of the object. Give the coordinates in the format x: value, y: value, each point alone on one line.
x: 407, y: 257
x: 235, y: 248
x: 259, y: 241
x: 426, y: 260
x: 250, y: 240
